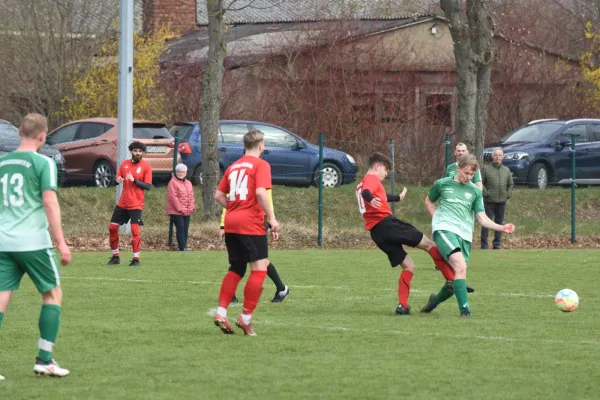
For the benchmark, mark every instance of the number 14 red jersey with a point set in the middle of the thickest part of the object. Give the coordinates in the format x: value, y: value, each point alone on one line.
x: 372, y: 215
x: 244, y: 214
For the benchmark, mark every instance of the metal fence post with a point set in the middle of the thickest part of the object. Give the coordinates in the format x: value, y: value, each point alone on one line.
x: 320, y: 227
x: 573, y: 186
x: 393, y: 172
x: 447, y: 152
x: 176, y: 153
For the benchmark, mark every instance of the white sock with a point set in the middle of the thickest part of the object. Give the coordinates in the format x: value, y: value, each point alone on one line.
x: 283, y: 291
x: 222, y: 311
x: 246, y: 318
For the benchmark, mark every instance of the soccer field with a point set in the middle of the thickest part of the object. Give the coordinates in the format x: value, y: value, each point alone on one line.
x: 147, y: 333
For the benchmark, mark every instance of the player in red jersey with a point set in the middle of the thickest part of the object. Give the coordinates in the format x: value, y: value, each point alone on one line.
x: 246, y: 181
x: 389, y: 233
x: 136, y: 176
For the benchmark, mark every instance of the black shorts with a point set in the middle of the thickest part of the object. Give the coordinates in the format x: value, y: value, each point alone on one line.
x: 246, y: 248
x: 122, y: 216
x: 391, y: 234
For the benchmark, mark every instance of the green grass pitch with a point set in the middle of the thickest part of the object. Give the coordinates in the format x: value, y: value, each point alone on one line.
x: 147, y: 333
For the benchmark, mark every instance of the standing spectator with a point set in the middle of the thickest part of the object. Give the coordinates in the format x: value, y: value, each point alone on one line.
x: 461, y: 151
x: 497, y: 188
x: 136, y: 176
x: 180, y: 204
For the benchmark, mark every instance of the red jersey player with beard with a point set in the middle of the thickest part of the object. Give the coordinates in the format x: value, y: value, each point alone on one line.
x: 136, y: 176
x: 247, y: 181
x: 389, y: 233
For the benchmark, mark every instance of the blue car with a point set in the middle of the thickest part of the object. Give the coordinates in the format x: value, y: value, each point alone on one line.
x: 538, y: 154
x: 294, y: 161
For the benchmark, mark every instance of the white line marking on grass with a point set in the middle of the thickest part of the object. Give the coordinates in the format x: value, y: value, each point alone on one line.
x: 478, y: 293
x: 433, y: 334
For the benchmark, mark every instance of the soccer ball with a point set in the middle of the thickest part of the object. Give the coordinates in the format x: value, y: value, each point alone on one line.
x: 566, y: 300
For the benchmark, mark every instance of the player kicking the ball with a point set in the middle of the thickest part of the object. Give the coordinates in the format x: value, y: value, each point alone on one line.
x: 391, y: 234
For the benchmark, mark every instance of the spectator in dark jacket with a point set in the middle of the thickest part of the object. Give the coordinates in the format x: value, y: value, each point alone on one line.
x: 497, y: 188
x: 180, y: 204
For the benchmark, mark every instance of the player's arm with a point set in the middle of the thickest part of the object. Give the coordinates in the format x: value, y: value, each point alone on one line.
x: 477, y: 179
x: 52, y: 209
x: 221, y: 198
x: 265, y: 203
x: 484, y: 221
x: 146, y: 182
x: 392, y: 198
x: 119, y: 176
x: 432, y: 197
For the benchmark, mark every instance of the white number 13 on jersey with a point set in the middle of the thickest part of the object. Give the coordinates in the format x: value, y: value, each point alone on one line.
x: 361, y: 201
x: 238, y: 185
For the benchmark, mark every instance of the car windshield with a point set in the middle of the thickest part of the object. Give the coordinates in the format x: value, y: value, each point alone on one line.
x: 181, y: 131
x: 150, y: 131
x: 533, y: 133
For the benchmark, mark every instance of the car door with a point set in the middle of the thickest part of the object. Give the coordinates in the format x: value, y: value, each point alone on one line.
x: 62, y: 138
x: 592, y: 157
x: 289, y: 161
x: 562, y: 155
x: 85, y: 148
x: 231, y: 144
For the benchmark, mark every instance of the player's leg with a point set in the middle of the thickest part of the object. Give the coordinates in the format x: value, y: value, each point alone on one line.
x: 408, y: 269
x: 238, y: 260
x: 136, y: 236
x: 281, y: 290
x: 458, y: 260
x: 257, y: 247
x: 118, y: 218
x: 42, y: 268
x: 10, y: 278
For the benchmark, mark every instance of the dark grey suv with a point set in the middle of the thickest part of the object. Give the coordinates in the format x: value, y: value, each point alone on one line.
x: 538, y: 154
x: 9, y: 141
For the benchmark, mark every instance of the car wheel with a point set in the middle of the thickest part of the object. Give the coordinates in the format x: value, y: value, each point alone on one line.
x: 539, y: 176
x: 196, y: 177
x: 332, y: 176
x: 104, y: 174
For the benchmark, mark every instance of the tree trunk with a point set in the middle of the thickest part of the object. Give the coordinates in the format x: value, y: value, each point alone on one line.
x: 474, y: 53
x: 212, y: 95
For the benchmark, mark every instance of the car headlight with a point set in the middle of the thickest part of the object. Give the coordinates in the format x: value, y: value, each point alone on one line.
x: 518, y: 155
x: 58, y: 158
x: 351, y: 159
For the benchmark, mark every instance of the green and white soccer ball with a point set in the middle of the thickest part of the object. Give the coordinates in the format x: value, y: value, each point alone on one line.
x: 566, y: 300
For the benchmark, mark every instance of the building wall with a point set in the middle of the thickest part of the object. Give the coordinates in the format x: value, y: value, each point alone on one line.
x: 180, y: 15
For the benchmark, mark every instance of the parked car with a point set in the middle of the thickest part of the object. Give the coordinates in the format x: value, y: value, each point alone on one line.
x: 294, y: 161
x: 89, y: 148
x: 9, y: 141
x: 538, y: 154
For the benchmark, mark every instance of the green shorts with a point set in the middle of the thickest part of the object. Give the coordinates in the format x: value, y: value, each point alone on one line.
x: 448, y: 242
x: 40, y: 265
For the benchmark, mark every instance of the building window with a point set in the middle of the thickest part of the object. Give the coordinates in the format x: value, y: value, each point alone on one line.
x: 439, y: 109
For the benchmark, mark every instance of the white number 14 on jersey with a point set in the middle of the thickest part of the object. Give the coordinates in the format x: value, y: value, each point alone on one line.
x: 238, y: 185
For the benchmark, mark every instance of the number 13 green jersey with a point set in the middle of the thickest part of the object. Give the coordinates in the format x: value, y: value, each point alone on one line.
x: 24, y: 175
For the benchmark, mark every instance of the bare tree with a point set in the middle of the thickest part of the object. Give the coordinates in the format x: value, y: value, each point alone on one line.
x: 45, y: 44
x: 474, y: 53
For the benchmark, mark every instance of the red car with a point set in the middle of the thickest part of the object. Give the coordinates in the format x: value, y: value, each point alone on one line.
x: 89, y: 148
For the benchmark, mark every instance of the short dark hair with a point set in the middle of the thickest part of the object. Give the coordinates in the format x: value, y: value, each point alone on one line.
x: 137, y: 145
x: 253, y: 138
x: 380, y: 158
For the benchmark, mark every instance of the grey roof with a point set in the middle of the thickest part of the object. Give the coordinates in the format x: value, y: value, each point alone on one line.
x: 269, y: 11
x: 249, y: 43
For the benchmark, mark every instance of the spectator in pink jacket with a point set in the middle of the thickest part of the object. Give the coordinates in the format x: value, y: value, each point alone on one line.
x: 180, y: 204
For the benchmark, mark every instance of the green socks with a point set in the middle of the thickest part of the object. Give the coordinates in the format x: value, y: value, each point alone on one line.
x: 460, y: 290
x: 48, y: 324
x: 442, y: 296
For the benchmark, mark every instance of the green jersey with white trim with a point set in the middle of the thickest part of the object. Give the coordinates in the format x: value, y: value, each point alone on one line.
x: 24, y: 175
x: 456, y: 205
x: 451, y: 173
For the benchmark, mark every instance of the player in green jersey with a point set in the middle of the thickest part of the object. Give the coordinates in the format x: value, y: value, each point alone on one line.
x: 460, y: 151
x: 457, y: 202
x: 28, y: 206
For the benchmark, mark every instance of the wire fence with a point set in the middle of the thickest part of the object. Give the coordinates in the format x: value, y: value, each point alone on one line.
x: 313, y: 187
